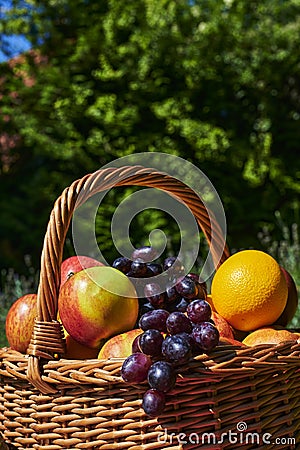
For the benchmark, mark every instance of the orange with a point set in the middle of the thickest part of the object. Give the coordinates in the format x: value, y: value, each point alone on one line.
x: 269, y: 335
x: 249, y: 290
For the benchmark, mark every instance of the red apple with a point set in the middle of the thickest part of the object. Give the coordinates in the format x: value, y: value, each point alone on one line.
x: 223, y: 326
x: 97, y: 303
x: 119, y: 346
x: 20, y: 322
x: 292, y: 300
x: 75, y: 264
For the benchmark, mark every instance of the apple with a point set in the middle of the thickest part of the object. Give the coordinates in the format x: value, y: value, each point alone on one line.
x: 75, y: 350
x: 223, y: 326
x: 97, y: 303
x: 292, y: 300
x: 20, y: 322
x: 75, y: 264
x: 119, y: 346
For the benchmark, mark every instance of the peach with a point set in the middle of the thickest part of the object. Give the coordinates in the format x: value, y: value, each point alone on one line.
x: 269, y: 335
x: 223, y: 326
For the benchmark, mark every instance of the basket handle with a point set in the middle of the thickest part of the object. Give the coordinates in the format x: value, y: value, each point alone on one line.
x: 47, y: 338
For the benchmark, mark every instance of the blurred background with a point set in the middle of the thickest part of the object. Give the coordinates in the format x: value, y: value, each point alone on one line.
x: 83, y: 82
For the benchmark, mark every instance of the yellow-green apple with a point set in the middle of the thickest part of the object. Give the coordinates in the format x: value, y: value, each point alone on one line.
x: 20, y: 322
x: 223, y: 326
x: 292, y: 300
x: 75, y: 264
x: 97, y: 303
x: 75, y: 350
x: 119, y: 346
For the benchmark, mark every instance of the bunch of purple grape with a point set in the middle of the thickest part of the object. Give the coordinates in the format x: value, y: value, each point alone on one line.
x: 168, y: 341
x: 176, y: 323
x: 173, y: 291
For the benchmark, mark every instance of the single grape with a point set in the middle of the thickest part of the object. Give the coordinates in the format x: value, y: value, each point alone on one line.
x: 138, y: 269
x: 194, y: 276
x: 154, y: 268
x: 174, y: 267
x: 122, y: 263
x: 135, y: 368
x: 152, y: 289
x: 135, y: 347
x: 187, y: 337
x: 162, y: 376
x: 199, y: 311
x: 154, y: 294
x: 153, y: 402
x: 206, y: 335
x: 179, y: 305
x: 150, y: 342
x: 171, y: 294
x: 176, y: 349
x: 169, y: 262
x: 196, y: 350
x: 149, y: 273
x: 198, y: 279
x: 144, y: 308
x: 145, y: 253
x: 186, y: 287
x: 155, y: 319
x: 178, y: 322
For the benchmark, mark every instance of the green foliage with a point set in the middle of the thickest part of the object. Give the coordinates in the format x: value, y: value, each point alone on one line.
x: 286, y: 250
x: 216, y: 82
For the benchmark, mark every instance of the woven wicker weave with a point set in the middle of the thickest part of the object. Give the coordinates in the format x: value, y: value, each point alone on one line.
x: 234, y: 398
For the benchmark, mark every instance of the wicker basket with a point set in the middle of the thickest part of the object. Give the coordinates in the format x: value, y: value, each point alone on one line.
x: 235, y: 397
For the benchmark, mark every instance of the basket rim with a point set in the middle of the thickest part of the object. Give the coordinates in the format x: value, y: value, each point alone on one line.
x: 225, y: 360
